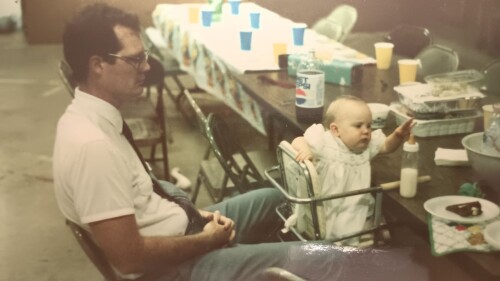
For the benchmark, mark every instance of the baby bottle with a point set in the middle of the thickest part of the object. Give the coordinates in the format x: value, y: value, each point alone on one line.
x: 409, y: 168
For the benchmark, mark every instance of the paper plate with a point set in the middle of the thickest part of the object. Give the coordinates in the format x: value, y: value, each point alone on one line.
x: 437, y: 207
x: 492, y: 234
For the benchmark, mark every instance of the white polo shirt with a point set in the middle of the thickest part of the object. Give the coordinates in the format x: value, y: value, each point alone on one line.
x: 98, y: 175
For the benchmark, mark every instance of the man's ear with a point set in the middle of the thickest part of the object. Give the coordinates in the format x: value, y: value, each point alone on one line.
x: 334, y: 129
x: 96, y: 65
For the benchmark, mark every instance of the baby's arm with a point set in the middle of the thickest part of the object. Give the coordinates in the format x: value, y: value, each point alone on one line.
x: 394, y: 140
x: 303, y: 151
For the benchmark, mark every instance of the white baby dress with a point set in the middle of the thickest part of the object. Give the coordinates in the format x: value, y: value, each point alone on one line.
x: 341, y: 170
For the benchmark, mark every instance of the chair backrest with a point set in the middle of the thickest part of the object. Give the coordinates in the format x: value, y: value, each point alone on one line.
x: 66, y: 75
x: 279, y: 274
x: 300, y: 180
x: 491, y: 77
x: 346, y: 16
x: 436, y: 59
x: 241, y: 171
x: 330, y: 29
x: 201, y: 118
x: 409, y: 40
x: 92, y: 251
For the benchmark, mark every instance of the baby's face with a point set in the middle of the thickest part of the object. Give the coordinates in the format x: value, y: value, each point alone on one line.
x: 353, y: 126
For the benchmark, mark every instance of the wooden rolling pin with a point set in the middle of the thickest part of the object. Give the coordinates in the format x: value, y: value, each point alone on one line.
x: 395, y: 184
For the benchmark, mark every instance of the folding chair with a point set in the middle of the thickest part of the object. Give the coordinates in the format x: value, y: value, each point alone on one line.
x: 279, y: 274
x: 346, y: 16
x: 144, y: 116
x: 304, y: 213
x: 409, y: 40
x: 95, y: 254
x: 491, y: 73
x: 329, y: 28
x: 232, y: 168
x: 436, y: 59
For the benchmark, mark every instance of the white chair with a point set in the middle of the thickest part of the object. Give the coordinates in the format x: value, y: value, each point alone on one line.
x: 304, y: 213
x: 342, y: 19
x: 329, y: 28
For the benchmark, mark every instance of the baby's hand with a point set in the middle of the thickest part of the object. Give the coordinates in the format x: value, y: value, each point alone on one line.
x: 404, y: 129
x: 304, y: 154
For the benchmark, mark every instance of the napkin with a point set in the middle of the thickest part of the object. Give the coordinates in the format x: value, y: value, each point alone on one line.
x: 451, y: 157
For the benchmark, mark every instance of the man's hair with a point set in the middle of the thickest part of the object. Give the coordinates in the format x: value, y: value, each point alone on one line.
x: 91, y: 33
x: 333, y: 108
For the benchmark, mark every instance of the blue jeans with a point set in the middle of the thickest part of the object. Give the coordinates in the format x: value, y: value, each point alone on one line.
x: 255, y: 217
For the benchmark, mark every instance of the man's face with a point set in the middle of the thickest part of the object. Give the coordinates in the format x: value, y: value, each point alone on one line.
x: 124, y: 80
x: 353, y: 126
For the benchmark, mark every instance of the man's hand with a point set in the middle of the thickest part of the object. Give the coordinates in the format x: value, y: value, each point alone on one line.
x: 219, y: 227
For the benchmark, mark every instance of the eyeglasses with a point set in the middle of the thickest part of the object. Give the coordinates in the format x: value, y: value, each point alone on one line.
x: 136, y: 61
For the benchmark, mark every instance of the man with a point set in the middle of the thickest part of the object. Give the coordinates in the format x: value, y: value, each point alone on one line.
x: 101, y: 184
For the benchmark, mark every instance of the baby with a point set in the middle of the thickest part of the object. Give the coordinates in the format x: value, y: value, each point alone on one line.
x: 341, y: 155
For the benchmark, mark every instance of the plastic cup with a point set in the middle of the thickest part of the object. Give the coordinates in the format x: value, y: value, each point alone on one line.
x: 383, y: 53
x: 206, y: 17
x: 407, y: 70
x: 194, y: 14
x: 246, y: 40
x: 235, y: 6
x: 298, y: 33
x: 255, y: 20
x: 278, y: 49
x: 487, y: 112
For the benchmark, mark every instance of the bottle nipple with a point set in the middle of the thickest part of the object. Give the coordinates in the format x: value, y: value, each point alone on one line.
x: 411, y: 139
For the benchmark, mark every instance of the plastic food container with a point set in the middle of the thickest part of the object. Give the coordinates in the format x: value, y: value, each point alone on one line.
x: 453, y: 83
x: 437, y: 127
x: 423, y: 104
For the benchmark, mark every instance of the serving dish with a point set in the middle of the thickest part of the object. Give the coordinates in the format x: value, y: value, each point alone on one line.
x: 437, y: 207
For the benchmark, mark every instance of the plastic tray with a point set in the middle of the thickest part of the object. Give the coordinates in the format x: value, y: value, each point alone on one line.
x: 453, y: 83
x: 437, y: 127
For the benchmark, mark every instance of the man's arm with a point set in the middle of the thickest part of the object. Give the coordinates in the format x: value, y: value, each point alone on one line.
x: 129, y: 252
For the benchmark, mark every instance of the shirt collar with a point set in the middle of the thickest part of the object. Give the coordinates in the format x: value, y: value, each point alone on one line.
x: 99, y: 107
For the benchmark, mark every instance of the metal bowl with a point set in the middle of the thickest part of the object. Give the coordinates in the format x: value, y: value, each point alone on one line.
x: 486, y: 166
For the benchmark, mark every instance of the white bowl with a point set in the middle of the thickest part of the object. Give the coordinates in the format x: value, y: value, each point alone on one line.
x: 486, y: 166
x: 379, y: 114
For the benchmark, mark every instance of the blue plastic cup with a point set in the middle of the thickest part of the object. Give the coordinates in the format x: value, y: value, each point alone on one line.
x: 298, y: 34
x: 255, y: 19
x: 206, y: 17
x: 235, y: 6
x: 246, y: 40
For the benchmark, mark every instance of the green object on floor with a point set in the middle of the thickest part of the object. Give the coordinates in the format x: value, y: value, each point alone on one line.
x: 471, y: 189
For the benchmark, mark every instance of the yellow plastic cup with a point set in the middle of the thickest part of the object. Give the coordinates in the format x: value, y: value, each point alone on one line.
x: 194, y: 14
x: 487, y: 112
x: 407, y: 70
x: 278, y: 49
x: 383, y: 54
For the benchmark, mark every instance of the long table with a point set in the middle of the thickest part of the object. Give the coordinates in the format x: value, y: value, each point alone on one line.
x: 212, y: 55
x: 273, y: 91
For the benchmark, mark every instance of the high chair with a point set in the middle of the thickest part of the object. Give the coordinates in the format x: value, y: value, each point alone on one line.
x: 303, y: 212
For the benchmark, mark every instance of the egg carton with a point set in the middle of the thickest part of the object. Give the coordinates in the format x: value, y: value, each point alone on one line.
x: 437, y: 127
